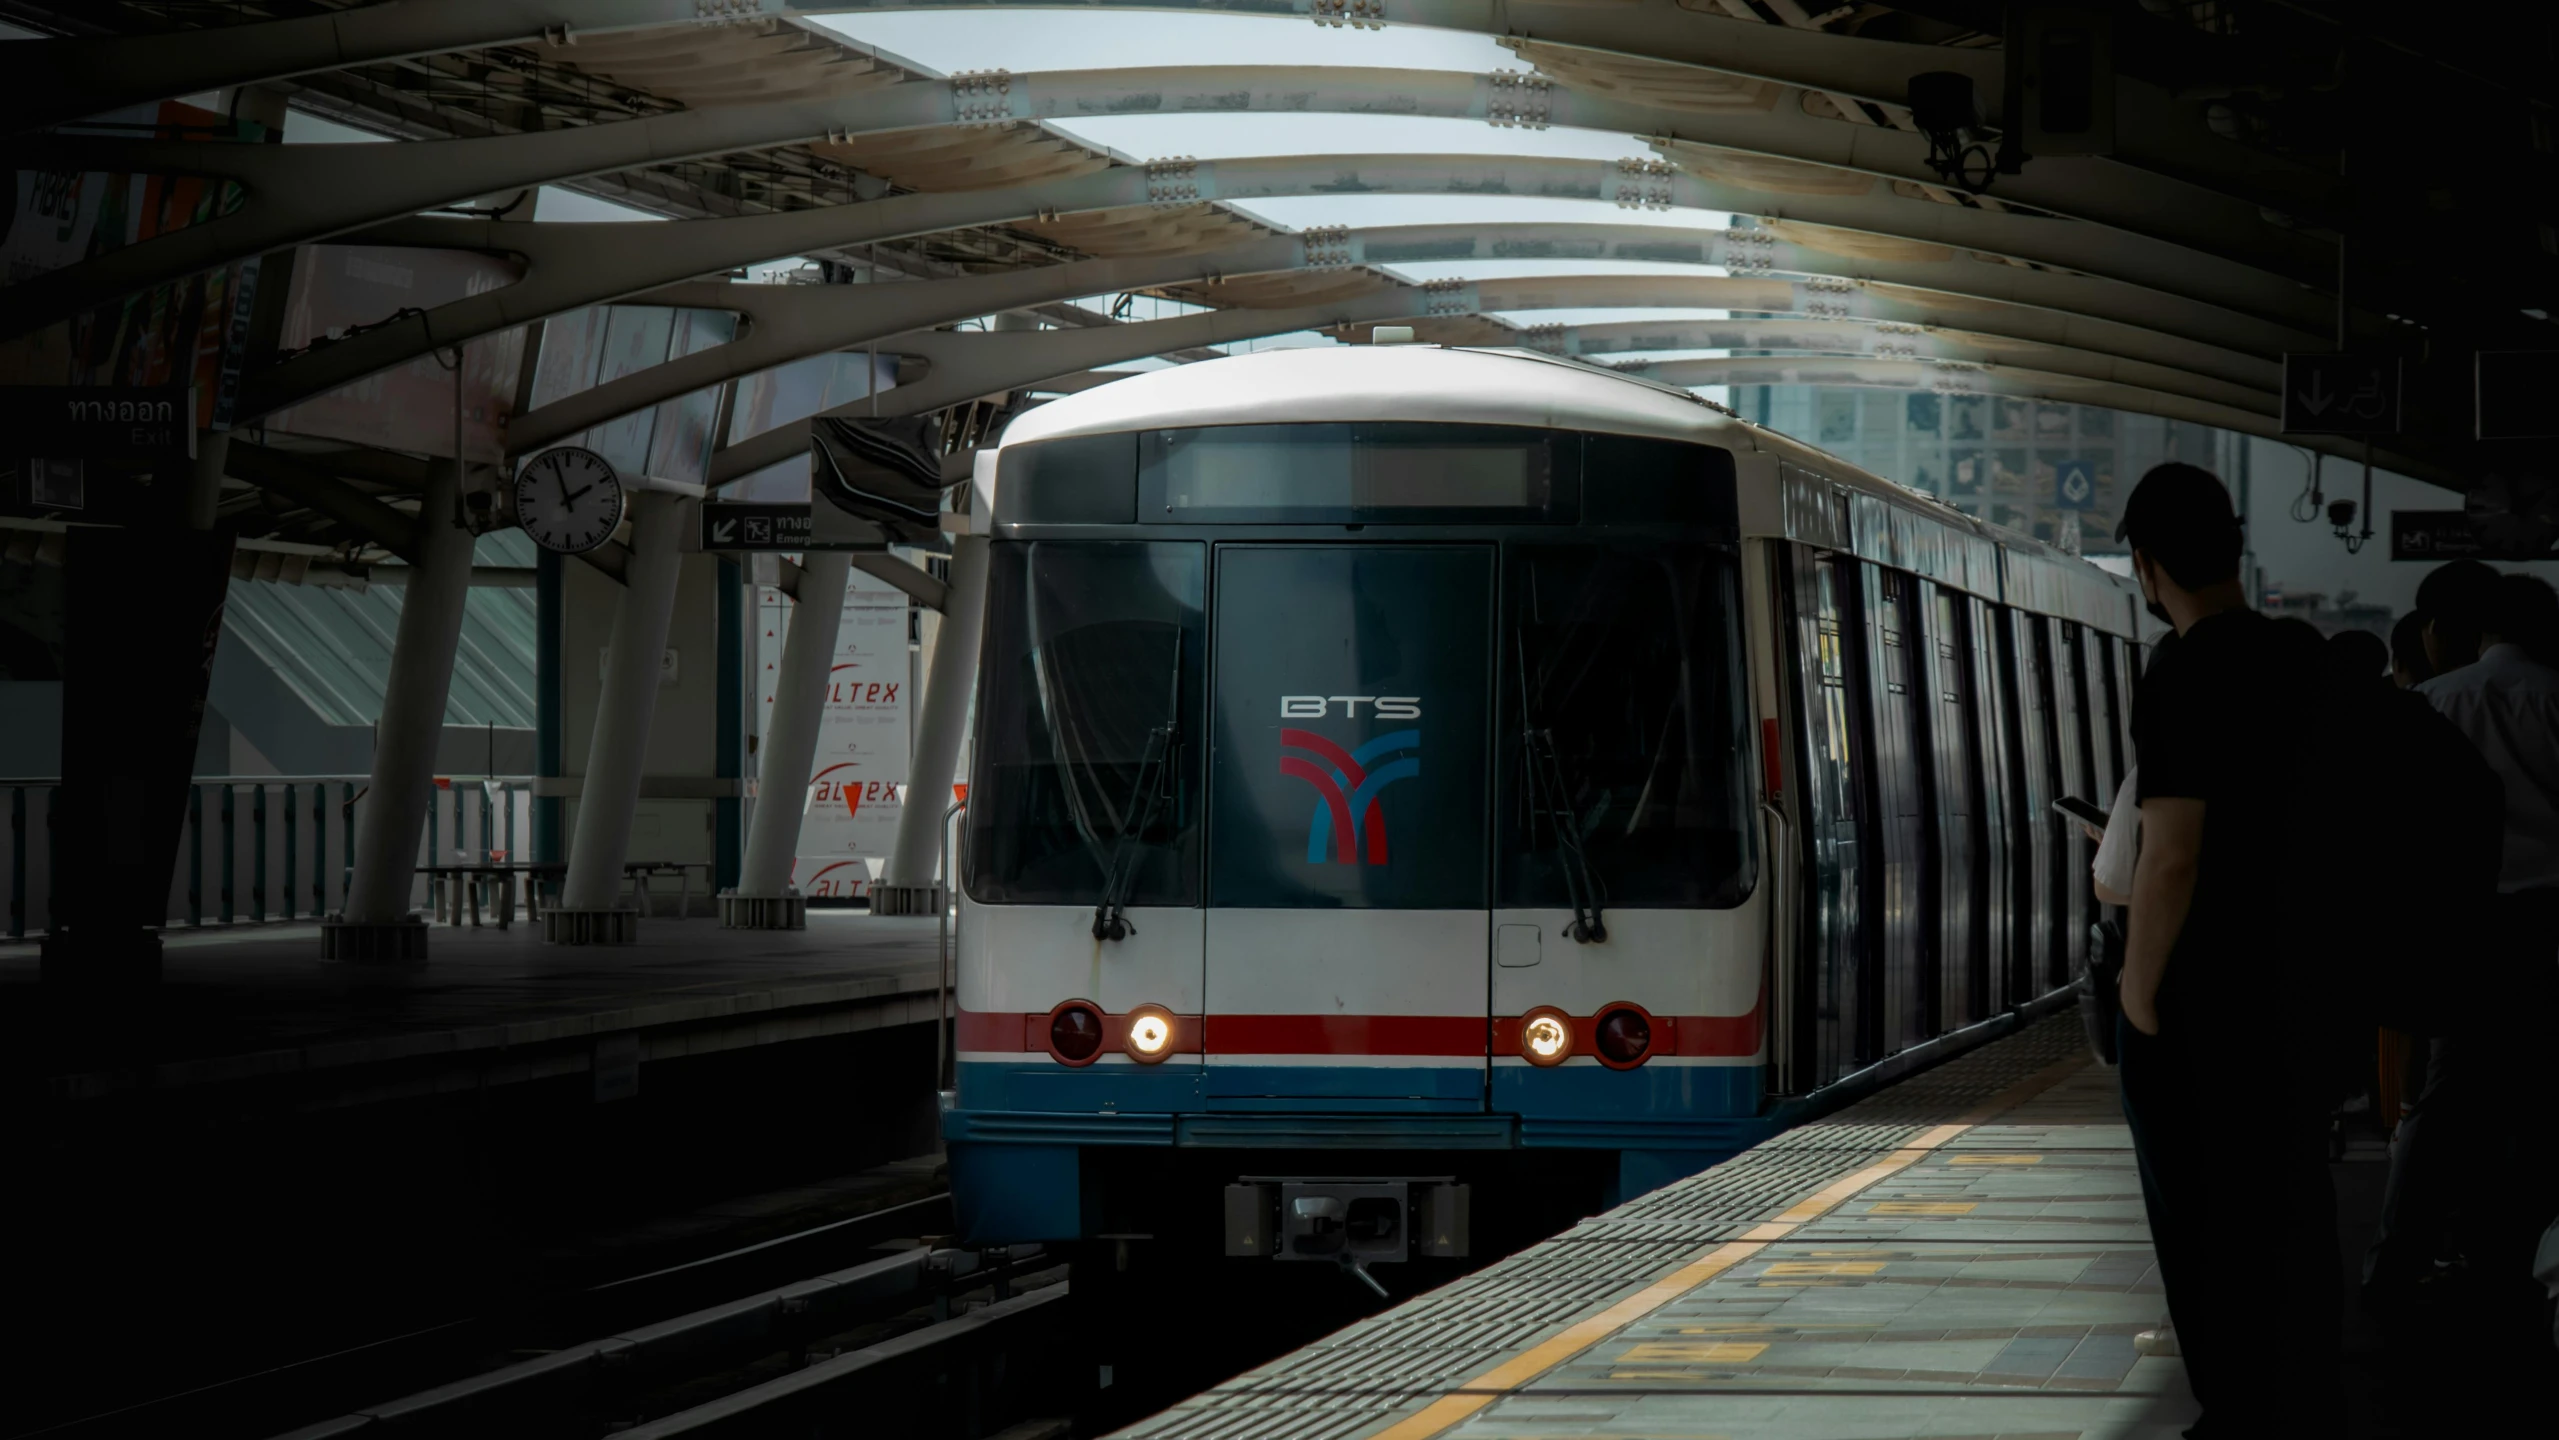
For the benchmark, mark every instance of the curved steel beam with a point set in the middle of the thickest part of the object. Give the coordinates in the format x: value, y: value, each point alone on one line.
x: 2154, y: 129
x: 787, y: 323
x: 791, y: 322
x: 966, y: 366
x: 47, y: 81
x: 2113, y: 311
x: 2178, y: 239
x: 1881, y: 342
x: 1837, y: 301
x: 570, y: 266
x: 1930, y: 377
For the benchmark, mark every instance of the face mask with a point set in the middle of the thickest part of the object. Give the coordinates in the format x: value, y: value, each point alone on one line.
x: 2149, y: 601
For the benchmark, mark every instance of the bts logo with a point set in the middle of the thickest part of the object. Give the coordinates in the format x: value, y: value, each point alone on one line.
x: 1348, y: 826
x: 1314, y: 707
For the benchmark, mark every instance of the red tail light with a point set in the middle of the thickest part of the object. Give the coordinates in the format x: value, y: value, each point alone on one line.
x: 1075, y: 1032
x: 1623, y: 1036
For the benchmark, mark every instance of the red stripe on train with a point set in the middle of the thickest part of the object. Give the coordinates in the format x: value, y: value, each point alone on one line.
x: 1454, y: 1036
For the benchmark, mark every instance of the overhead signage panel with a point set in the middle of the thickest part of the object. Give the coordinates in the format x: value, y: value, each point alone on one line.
x: 2344, y: 394
x: 2438, y: 535
x: 754, y: 525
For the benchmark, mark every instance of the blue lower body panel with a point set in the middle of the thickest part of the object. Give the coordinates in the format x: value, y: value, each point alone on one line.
x: 1028, y: 1142
x: 1005, y: 1193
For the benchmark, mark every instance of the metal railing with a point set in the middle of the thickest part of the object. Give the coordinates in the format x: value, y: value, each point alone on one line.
x: 258, y: 848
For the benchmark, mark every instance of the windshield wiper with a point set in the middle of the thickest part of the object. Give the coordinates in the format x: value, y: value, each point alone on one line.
x: 1154, y: 786
x: 1549, y: 796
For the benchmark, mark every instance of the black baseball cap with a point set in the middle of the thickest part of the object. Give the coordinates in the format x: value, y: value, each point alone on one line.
x: 2175, y: 499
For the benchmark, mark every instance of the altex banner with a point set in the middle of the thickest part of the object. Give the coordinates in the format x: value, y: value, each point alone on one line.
x: 857, y: 785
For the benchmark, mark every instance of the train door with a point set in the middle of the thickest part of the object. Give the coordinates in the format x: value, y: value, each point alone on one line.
x: 1952, y: 737
x: 2074, y: 754
x: 1622, y: 831
x: 1994, y: 761
x: 1897, y: 731
x: 2029, y: 661
x: 1349, y: 776
x: 1835, y: 919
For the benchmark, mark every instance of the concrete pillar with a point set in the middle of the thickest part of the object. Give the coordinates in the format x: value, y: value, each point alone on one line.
x: 204, y: 486
x: 764, y: 899
x: 589, y: 909
x: 909, y: 885
x: 376, y: 924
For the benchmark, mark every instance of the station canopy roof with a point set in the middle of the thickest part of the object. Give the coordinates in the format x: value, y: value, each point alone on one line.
x: 1720, y: 191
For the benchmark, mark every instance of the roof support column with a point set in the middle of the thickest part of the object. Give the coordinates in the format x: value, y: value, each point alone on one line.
x: 911, y: 885
x: 590, y: 900
x: 765, y: 899
x: 377, y: 925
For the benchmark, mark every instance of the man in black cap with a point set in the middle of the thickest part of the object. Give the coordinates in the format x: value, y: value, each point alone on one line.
x: 2224, y: 1096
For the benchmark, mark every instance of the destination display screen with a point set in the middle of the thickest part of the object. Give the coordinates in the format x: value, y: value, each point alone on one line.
x: 1357, y: 472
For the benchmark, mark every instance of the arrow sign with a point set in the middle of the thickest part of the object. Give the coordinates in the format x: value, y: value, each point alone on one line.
x: 754, y: 525
x: 2341, y: 394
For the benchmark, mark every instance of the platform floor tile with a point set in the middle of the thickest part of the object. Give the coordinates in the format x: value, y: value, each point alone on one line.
x: 1960, y: 1257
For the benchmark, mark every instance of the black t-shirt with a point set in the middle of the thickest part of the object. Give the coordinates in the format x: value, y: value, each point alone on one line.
x: 2223, y: 716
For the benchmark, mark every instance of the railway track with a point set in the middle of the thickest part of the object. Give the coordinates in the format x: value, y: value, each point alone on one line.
x: 674, y: 1321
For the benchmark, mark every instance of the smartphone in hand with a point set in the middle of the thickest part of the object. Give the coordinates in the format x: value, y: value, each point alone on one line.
x: 2082, y: 811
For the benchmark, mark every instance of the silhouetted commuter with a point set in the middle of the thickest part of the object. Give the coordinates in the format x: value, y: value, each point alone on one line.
x: 2221, y: 1103
x: 2478, y: 1137
x: 2400, y: 1071
x: 2409, y: 667
x: 2360, y: 655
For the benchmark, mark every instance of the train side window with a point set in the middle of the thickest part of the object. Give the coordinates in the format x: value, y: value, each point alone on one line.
x: 1089, y: 735
x: 1628, y: 657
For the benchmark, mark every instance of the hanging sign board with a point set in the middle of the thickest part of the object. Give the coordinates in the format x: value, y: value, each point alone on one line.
x: 2341, y: 395
x: 2437, y: 535
x: 754, y: 525
x: 133, y: 424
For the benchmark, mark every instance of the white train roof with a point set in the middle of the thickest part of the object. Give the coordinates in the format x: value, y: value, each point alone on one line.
x: 1818, y: 498
x: 1383, y: 382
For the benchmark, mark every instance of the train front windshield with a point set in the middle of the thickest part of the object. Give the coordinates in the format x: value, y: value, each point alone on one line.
x: 1528, y: 706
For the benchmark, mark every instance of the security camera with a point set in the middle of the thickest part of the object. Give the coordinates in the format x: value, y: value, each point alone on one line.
x: 1947, y: 111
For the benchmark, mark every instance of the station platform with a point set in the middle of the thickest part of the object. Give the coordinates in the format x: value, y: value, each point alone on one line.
x: 1962, y: 1254
x: 257, y: 1007
x: 279, y: 1157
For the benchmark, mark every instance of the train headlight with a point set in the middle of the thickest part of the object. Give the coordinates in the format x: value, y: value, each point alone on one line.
x: 1545, y: 1037
x: 1623, y: 1036
x: 1075, y: 1032
x: 1150, y: 1034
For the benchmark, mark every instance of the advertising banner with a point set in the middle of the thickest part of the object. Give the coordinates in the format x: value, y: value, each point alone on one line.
x: 178, y: 333
x: 337, y: 288
x: 857, y: 783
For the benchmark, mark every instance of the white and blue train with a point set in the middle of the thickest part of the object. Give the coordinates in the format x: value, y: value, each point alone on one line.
x: 1420, y: 789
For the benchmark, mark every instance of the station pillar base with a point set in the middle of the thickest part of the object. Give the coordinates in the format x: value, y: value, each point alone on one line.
x: 99, y: 961
x: 359, y: 942
x: 906, y: 899
x: 591, y: 927
x: 786, y: 911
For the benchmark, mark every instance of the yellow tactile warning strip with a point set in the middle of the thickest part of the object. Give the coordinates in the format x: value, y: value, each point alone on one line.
x: 1481, y: 1390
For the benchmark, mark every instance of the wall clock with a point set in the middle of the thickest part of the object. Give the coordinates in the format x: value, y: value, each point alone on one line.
x: 569, y: 500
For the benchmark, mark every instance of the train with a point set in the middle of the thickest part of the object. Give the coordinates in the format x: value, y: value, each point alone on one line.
x: 1420, y: 794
